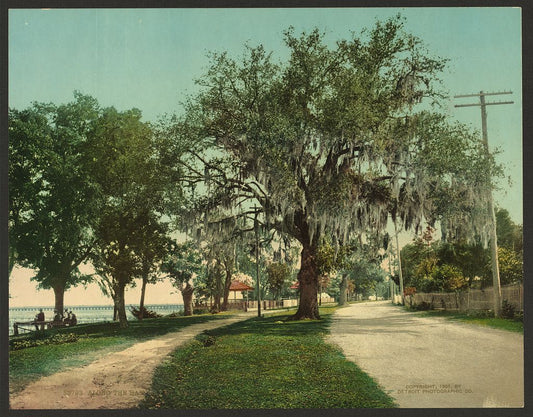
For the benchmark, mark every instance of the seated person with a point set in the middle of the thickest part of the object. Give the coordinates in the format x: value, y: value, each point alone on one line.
x: 57, y: 317
x: 73, y: 319
x: 66, y: 320
x: 39, y: 318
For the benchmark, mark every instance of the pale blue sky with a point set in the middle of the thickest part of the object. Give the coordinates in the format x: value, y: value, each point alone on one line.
x: 148, y: 58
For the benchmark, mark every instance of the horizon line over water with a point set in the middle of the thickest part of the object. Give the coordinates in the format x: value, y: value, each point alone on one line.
x: 81, y: 306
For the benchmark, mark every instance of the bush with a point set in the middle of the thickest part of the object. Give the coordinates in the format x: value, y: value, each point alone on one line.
x: 175, y: 314
x: 508, y: 310
x: 519, y: 316
x: 423, y: 306
x: 200, y: 311
x: 449, y: 278
x: 206, y: 339
x: 147, y: 314
x: 480, y: 314
x: 57, y: 339
x: 409, y: 291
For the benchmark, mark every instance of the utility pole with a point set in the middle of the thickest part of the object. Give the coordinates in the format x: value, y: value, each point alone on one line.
x: 490, y: 206
x: 398, y: 253
x: 256, y: 229
x: 391, y: 282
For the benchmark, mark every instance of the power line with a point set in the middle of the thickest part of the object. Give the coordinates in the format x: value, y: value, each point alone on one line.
x: 486, y: 104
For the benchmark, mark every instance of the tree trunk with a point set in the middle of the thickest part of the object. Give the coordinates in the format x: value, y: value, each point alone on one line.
x: 343, y: 289
x: 59, y: 293
x: 219, y: 290
x: 308, y: 283
x: 120, y: 305
x: 11, y: 260
x: 320, y: 291
x: 141, y: 303
x: 227, y: 285
x: 186, y: 293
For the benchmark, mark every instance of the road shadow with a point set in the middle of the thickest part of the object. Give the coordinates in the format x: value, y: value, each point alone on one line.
x: 389, y: 324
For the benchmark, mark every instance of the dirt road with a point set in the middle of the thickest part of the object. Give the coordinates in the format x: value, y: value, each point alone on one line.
x: 117, y: 380
x: 429, y: 362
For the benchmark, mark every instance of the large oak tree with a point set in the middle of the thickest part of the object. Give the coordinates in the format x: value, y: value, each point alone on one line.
x: 336, y: 140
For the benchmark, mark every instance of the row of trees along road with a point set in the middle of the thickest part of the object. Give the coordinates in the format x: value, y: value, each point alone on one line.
x: 431, y: 265
x: 332, y: 143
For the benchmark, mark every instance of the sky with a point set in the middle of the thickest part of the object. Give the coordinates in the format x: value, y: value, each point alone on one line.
x: 149, y: 59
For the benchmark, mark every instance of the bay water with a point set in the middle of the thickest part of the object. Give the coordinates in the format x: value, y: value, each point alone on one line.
x: 84, y: 314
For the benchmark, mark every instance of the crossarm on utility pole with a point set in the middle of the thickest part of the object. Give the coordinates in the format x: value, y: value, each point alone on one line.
x: 484, y: 94
x: 486, y: 104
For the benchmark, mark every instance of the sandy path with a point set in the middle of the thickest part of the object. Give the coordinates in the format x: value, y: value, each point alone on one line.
x: 431, y: 362
x: 117, y: 380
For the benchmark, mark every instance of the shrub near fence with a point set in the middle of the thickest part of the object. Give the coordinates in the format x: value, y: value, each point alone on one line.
x: 469, y: 299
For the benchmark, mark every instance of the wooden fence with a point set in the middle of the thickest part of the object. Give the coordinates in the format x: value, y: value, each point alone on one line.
x: 470, y: 299
x: 270, y: 304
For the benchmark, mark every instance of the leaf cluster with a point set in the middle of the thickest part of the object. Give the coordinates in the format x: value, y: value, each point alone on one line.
x: 335, y: 139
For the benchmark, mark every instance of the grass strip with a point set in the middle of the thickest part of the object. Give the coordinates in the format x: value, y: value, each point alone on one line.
x: 263, y: 363
x: 496, y: 323
x: 95, y: 340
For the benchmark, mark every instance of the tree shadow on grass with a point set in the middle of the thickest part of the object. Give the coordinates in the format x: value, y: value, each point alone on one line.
x: 274, y: 326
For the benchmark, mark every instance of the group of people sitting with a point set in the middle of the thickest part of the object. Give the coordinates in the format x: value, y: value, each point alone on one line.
x: 68, y: 318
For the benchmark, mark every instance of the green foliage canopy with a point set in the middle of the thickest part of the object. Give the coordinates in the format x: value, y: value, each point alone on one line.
x: 278, y: 274
x: 53, y: 201
x: 184, y: 261
x: 335, y: 140
x: 122, y: 159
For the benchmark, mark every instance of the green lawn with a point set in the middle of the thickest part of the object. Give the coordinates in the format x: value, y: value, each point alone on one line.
x: 263, y: 363
x: 95, y: 340
x: 497, y: 323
